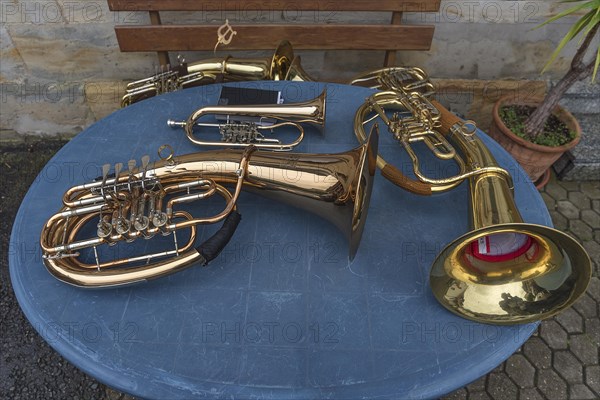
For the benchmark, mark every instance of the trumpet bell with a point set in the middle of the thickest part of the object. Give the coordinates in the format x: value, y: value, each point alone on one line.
x: 510, y: 273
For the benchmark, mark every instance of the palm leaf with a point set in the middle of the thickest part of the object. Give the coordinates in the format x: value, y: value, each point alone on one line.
x: 596, y: 66
x: 590, y: 4
x: 575, y: 29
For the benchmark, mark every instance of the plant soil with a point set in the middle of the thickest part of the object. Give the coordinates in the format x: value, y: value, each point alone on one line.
x: 555, y: 133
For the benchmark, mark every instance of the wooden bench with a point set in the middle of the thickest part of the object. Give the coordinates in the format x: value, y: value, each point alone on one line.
x: 319, y: 36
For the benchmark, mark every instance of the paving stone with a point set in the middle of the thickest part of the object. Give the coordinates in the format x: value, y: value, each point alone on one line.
x: 581, y: 392
x: 597, y: 236
x: 553, y: 334
x: 568, y: 367
x: 479, y: 396
x: 538, y: 352
x: 559, y: 221
x: 596, y: 205
x: 520, y: 371
x: 594, y: 288
x: 586, y: 306
x: 570, y: 321
x: 460, y: 394
x: 556, y: 191
x: 551, y: 385
x: 530, y: 394
x: 581, y: 230
x: 584, y: 348
x: 498, y: 370
x: 580, y: 200
x: 550, y: 202
x: 591, y: 217
x: 592, y: 328
x: 592, y: 378
x: 591, y: 189
x: 593, y: 249
x: 500, y: 387
x: 569, y: 185
x: 568, y: 209
x: 477, y: 385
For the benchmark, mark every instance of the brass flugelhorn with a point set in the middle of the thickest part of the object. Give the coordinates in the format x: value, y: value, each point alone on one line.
x: 141, y: 202
x: 504, y: 271
x: 244, y: 123
x: 282, y: 65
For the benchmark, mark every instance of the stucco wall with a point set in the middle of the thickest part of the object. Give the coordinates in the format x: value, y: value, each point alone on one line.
x: 61, y: 68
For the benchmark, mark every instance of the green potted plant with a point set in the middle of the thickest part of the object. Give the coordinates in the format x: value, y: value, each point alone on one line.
x: 538, y: 131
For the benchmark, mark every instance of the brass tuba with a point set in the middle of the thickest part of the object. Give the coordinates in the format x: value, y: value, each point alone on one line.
x: 503, y: 271
x: 282, y: 65
x: 142, y: 202
x: 244, y: 123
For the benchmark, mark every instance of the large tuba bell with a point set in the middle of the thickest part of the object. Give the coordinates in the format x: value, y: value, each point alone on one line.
x: 244, y: 123
x: 143, y: 202
x: 503, y: 271
x: 281, y: 66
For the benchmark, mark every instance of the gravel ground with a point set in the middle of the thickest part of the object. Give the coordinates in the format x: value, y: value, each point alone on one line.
x: 29, y: 367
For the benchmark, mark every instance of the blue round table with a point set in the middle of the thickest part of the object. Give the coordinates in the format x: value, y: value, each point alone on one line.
x: 282, y: 313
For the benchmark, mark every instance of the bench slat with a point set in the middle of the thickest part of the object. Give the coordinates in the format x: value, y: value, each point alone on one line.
x: 306, y: 37
x: 291, y: 5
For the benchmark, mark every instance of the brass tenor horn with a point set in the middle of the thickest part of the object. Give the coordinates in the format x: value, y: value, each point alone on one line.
x: 503, y: 271
x: 143, y: 202
x: 245, y: 123
x: 282, y: 65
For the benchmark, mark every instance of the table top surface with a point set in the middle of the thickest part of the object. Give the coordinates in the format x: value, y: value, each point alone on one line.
x: 282, y: 313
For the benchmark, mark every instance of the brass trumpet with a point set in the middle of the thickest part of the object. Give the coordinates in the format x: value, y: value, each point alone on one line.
x: 281, y: 66
x: 503, y: 271
x: 238, y: 131
x: 142, y: 202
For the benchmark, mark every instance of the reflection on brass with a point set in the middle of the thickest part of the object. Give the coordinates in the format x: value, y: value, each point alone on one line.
x: 142, y: 201
x: 238, y: 132
x: 504, y: 271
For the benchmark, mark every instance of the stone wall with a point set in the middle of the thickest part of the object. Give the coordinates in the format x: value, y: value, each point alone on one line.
x: 61, y: 68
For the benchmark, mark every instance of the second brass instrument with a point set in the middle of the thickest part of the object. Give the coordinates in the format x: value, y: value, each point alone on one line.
x: 503, y: 271
x: 143, y: 202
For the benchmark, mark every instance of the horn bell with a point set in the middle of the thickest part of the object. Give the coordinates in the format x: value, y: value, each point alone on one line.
x: 544, y: 276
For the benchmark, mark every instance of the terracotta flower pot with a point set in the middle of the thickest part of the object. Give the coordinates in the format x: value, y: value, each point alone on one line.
x: 535, y: 159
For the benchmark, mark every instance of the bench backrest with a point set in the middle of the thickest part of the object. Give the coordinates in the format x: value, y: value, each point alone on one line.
x: 318, y: 36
